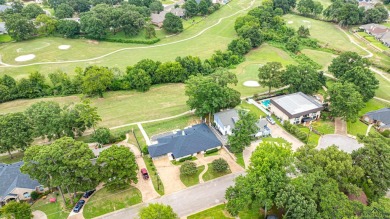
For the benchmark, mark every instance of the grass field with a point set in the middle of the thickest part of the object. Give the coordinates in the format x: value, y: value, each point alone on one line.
x: 324, y: 127
x: 122, y: 107
x: 46, y: 49
x: 192, y: 180
x: 52, y: 210
x: 252, y: 108
x: 248, y: 70
x: 384, y: 88
x: 320, y: 57
x: 211, y: 174
x: 373, y: 41
x: 217, y: 212
x: 5, y: 38
x: 170, y: 125
x: 104, y: 201
x: 18, y: 156
x: 325, y: 32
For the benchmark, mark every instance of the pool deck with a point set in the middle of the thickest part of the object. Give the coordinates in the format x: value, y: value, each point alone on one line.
x: 251, y: 101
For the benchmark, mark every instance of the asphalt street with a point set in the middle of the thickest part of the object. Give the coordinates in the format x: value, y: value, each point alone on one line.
x: 187, y: 201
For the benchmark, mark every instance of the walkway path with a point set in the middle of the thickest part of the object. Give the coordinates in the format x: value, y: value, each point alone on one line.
x: 39, y: 214
x: 131, y: 48
x: 340, y: 126
x: 146, y: 137
x: 368, y: 129
x: 354, y: 42
x: 206, y: 167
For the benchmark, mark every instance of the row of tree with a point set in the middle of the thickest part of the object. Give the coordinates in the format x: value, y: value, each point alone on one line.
x: 312, y: 183
x: 45, y: 120
x: 204, y: 7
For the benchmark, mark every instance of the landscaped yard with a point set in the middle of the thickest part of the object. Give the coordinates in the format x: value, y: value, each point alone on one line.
x: 104, y: 201
x: 181, y: 122
x: 211, y: 174
x: 52, y: 210
x: 373, y: 41
x: 277, y: 140
x: 217, y: 212
x: 157, y: 184
x: 18, y: 156
x: 192, y: 180
x: 313, y: 137
x: 252, y: 108
x: 122, y: 107
x: 240, y: 159
x: 324, y: 127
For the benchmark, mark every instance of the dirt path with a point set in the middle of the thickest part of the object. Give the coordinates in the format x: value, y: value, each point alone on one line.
x: 132, y: 48
x: 340, y: 126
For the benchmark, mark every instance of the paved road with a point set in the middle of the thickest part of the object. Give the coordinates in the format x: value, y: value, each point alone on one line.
x: 188, y: 201
x: 344, y: 143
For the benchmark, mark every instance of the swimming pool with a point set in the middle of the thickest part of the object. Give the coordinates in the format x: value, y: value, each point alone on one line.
x: 266, y: 103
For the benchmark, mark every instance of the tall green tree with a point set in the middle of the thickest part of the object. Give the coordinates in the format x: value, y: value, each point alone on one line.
x: 374, y: 159
x: 64, y: 11
x: 266, y: 176
x: 19, y: 27
x: 244, y: 131
x: 270, y: 75
x: 92, y: 26
x: 131, y: 22
x: 157, y: 211
x: 303, y: 78
x: 68, y: 28
x: 96, y: 80
x: 345, y: 62
x: 32, y: 11
x: 346, y: 101
x: 240, y: 46
x: 172, y: 23
x: 16, y: 132
x: 16, y: 210
x: 156, y: 7
x: 47, y: 25
x: 139, y: 79
x: 191, y: 8
x: 117, y: 167
x: 150, y: 32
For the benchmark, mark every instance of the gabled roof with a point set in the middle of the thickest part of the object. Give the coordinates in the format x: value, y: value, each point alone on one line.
x: 186, y: 142
x: 262, y: 123
x: 371, y: 26
x: 296, y: 104
x: 180, y: 12
x: 12, y: 178
x: 382, y: 115
x: 158, y: 18
x: 227, y: 117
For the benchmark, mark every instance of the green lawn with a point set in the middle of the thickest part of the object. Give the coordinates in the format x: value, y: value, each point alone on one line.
x: 278, y: 140
x: 384, y: 88
x: 183, y: 44
x: 324, y: 127
x: 123, y: 107
x: 253, y: 213
x: 252, y: 108
x: 325, y: 32
x: 248, y: 70
x: 18, y: 156
x: 5, y: 38
x: 104, y: 201
x: 192, y: 180
x: 140, y: 36
x: 320, y: 57
x: 52, y: 210
x: 240, y: 159
x: 157, y: 184
x: 211, y: 174
x: 217, y: 212
x: 313, y: 137
x: 170, y: 125
x: 373, y: 41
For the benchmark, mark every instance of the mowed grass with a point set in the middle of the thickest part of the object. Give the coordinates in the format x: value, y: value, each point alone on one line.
x: 324, y: 127
x: 384, y: 88
x: 252, y: 108
x: 181, y: 122
x: 248, y: 70
x: 193, y: 41
x: 104, y: 201
x: 192, y: 180
x: 320, y: 57
x: 52, y: 210
x: 373, y: 41
x: 217, y: 212
x: 6, y: 158
x: 123, y: 107
x: 327, y: 33
x: 211, y: 174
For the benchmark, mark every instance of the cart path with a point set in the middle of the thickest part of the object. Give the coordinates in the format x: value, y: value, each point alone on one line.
x: 5, y: 65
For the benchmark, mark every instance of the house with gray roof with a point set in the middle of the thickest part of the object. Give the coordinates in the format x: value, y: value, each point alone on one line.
x: 225, y: 121
x: 158, y: 18
x: 15, y: 185
x: 180, y: 12
x: 380, y: 118
x: 296, y: 108
x: 4, y: 7
x: 187, y: 142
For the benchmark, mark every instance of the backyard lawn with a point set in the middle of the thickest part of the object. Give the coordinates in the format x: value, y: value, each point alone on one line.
x: 52, y: 210
x: 373, y: 41
x: 252, y: 108
x: 217, y: 212
x: 192, y: 180
x: 277, y: 140
x: 104, y: 201
x: 211, y: 174
x: 313, y: 137
x: 181, y: 122
x: 324, y: 127
x: 18, y: 156
x: 122, y: 107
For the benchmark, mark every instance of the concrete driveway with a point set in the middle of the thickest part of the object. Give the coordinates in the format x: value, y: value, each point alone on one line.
x: 169, y: 175
x: 345, y: 143
x: 247, y: 153
x: 277, y: 131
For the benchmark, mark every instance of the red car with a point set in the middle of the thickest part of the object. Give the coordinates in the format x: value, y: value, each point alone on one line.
x: 145, y: 174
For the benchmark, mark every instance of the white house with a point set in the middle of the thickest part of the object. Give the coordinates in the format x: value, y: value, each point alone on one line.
x: 296, y: 108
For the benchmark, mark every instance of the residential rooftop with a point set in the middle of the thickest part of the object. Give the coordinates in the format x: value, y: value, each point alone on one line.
x: 296, y: 104
x: 228, y: 117
x: 382, y: 115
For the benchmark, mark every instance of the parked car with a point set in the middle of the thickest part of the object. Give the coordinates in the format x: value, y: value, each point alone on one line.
x: 145, y: 174
x: 88, y: 193
x: 270, y: 120
x: 79, y: 206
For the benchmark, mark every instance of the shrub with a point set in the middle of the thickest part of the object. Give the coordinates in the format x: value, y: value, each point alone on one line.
x: 102, y: 135
x: 185, y: 159
x: 188, y: 168
x: 34, y: 195
x: 145, y: 150
x: 386, y: 133
x: 212, y: 151
x: 220, y: 165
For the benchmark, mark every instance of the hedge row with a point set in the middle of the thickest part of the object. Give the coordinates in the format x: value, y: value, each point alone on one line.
x: 138, y: 41
x: 212, y: 151
x: 294, y: 130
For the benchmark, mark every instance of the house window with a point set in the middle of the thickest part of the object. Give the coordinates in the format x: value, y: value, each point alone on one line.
x: 26, y: 195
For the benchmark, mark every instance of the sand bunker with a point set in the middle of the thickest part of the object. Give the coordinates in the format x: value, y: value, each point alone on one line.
x: 25, y: 58
x: 290, y: 22
x: 64, y: 47
x: 251, y: 84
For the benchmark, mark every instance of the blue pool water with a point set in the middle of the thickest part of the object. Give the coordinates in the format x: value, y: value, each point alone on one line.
x: 266, y: 103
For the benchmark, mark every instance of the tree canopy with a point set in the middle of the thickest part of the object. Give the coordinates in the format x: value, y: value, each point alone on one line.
x: 157, y: 211
x: 303, y: 78
x: 243, y: 132
x: 270, y: 75
x: 172, y: 23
